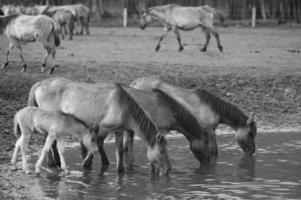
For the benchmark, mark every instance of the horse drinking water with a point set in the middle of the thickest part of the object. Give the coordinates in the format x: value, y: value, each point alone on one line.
x: 175, y: 18
x: 108, y: 105
x: 56, y: 126
x: 208, y: 109
x: 21, y: 29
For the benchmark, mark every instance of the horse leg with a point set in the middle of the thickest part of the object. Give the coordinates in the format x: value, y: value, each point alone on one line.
x: 87, y: 25
x: 207, y: 34
x: 53, y: 52
x: 62, y: 32
x: 70, y: 28
x: 10, y: 48
x: 46, y: 149
x: 53, y: 160
x: 60, y: 147
x: 48, y: 51
x: 176, y: 31
x: 216, y: 35
x: 128, y: 144
x: 15, y: 154
x: 166, y: 30
x: 119, y: 151
x: 22, y: 58
x: 24, y: 140
x: 82, y: 25
x: 104, y: 158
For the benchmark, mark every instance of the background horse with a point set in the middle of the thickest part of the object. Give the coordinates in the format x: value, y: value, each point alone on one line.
x: 107, y: 105
x: 174, y: 17
x: 208, y: 110
x: 64, y: 19
x: 56, y: 126
x: 80, y: 13
x: 22, y: 29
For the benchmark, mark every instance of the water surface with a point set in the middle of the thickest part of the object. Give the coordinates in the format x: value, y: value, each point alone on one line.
x: 274, y: 172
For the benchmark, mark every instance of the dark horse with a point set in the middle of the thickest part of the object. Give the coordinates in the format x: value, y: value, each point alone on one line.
x: 208, y: 109
x: 175, y: 18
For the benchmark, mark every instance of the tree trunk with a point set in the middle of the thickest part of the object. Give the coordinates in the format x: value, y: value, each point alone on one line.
x: 100, y: 7
x: 262, y: 7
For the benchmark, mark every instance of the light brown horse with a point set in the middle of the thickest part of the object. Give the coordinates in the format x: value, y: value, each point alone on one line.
x: 56, y: 125
x: 22, y: 29
x: 163, y: 111
x: 175, y: 18
x: 208, y: 110
x: 109, y: 106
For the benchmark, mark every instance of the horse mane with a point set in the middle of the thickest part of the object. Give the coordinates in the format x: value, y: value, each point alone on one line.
x: 226, y: 110
x: 5, y: 20
x: 184, y: 117
x: 163, y: 7
x: 145, y: 123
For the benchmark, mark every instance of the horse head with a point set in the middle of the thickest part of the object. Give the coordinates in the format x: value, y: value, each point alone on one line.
x: 89, y: 140
x: 145, y: 18
x: 158, y: 156
x: 246, y: 136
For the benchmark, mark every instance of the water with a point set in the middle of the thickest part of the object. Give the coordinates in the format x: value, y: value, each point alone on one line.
x: 273, y: 173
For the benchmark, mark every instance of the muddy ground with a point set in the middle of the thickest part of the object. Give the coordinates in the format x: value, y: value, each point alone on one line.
x: 259, y: 71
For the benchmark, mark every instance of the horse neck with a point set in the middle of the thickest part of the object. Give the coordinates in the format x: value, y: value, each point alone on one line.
x: 233, y: 124
x: 157, y: 15
x: 148, y: 137
x: 4, y: 21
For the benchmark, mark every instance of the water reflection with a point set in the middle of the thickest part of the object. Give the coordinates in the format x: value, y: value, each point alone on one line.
x: 232, y: 176
x: 245, y: 168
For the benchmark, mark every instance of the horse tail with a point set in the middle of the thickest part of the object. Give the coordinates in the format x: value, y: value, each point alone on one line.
x: 31, y: 98
x: 16, y: 127
x: 54, y: 31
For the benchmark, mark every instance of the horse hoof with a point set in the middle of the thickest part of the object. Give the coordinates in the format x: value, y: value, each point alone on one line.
x: 203, y: 49
x: 181, y: 48
x: 4, y: 65
x: 65, y: 171
x: 24, y: 68
x: 157, y: 48
x: 51, y: 70
x: 220, y: 48
x: 13, y: 168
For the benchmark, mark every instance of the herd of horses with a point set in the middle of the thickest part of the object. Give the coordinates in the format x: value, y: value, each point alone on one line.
x: 149, y: 107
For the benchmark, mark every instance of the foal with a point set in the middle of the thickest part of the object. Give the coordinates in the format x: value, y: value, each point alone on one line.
x: 57, y: 125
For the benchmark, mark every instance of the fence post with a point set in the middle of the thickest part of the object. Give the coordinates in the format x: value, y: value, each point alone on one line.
x: 125, y: 13
x: 253, y: 13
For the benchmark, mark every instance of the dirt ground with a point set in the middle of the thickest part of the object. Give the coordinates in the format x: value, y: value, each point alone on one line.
x: 259, y: 71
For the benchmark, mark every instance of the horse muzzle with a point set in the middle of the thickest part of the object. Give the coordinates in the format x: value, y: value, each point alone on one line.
x: 142, y: 26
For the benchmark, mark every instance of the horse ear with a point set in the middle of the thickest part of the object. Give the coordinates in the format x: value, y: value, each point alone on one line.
x: 250, y: 119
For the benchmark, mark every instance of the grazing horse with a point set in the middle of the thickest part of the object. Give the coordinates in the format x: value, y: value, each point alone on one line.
x: 208, y: 110
x: 56, y: 126
x: 175, y: 18
x: 80, y: 13
x: 21, y: 29
x: 53, y: 94
x: 63, y: 18
x: 109, y: 106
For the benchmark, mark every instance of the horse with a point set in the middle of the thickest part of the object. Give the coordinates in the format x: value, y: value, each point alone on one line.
x: 57, y: 125
x: 53, y: 93
x: 80, y: 13
x: 21, y: 29
x: 175, y: 18
x: 107, y: 105
x: 208, y: 110
x: 63, y: 18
